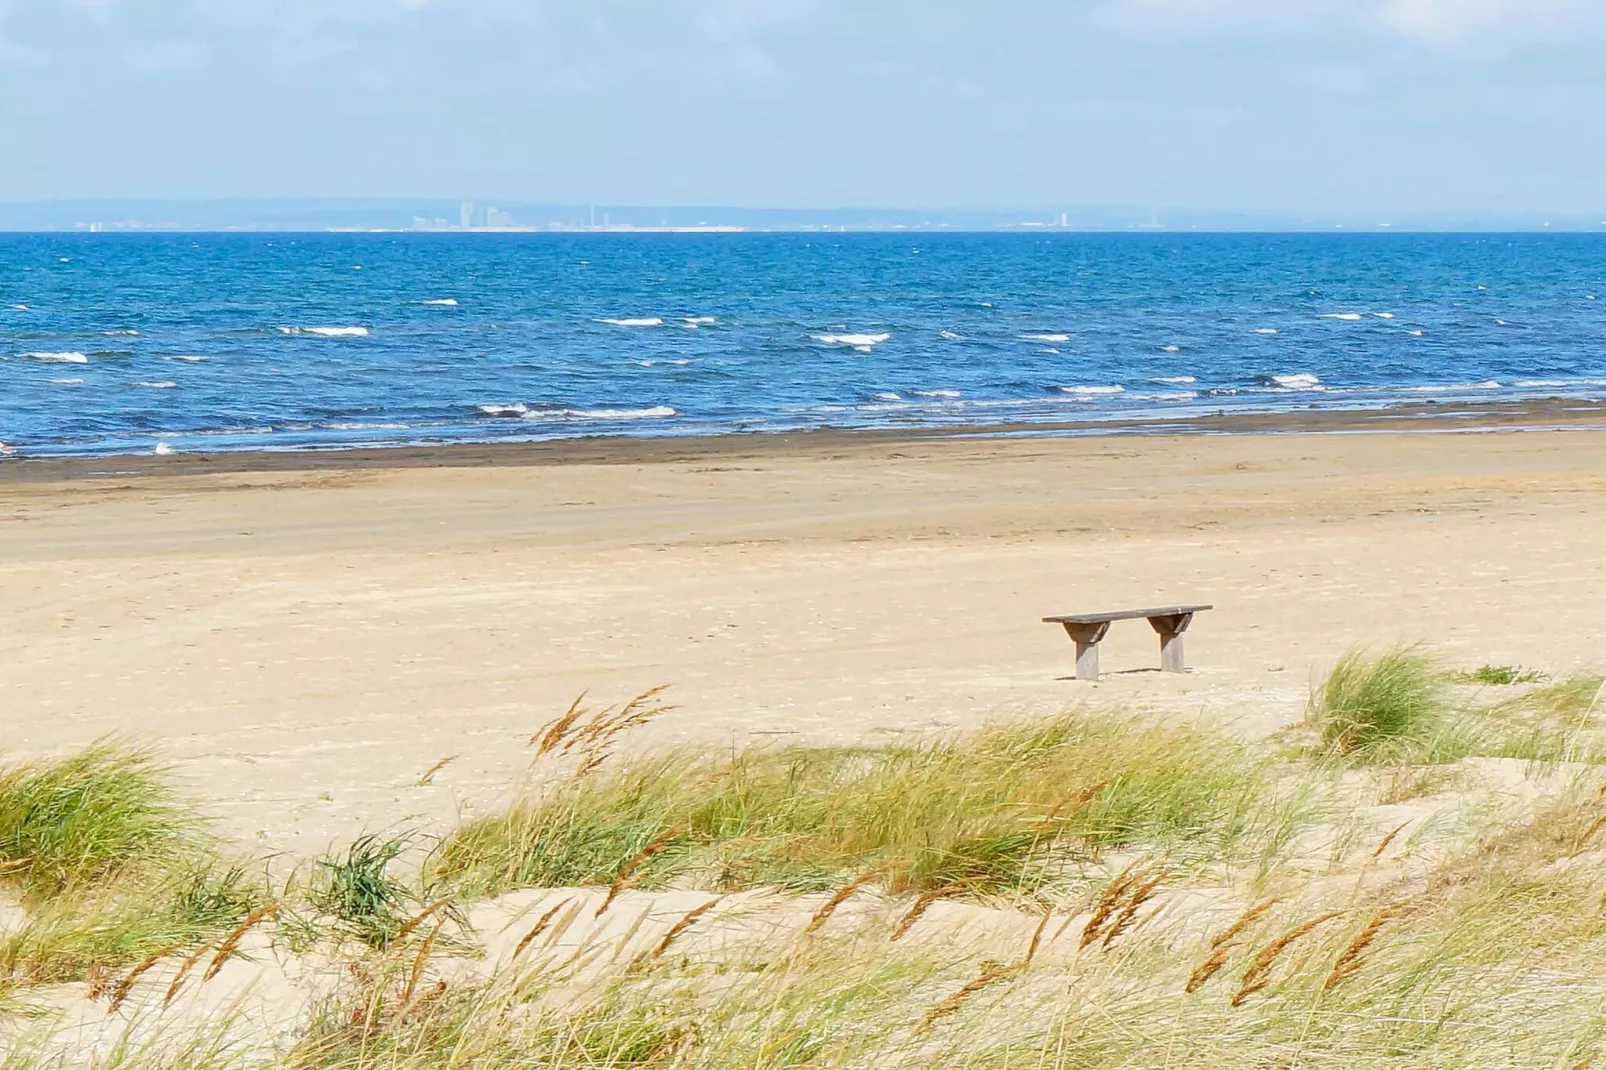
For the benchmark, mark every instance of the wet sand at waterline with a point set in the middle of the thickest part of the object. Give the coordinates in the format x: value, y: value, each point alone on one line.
x: 304, y: 641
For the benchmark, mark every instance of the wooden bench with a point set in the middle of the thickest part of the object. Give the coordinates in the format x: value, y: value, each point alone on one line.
x: 1088, y: 629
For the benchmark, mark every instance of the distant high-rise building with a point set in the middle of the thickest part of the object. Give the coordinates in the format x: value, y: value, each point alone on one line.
x: 465, y: 214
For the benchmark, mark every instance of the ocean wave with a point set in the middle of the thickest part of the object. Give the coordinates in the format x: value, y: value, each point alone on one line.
x: 681, y: 363
x: 644, y: 321
x: 188, y: 358
x: 19, y: 308
x: 68, y: 381
x: 1174, y: 379
x: 655, y: 412
x: 327, y: 332
x: 57, y: 358
x: 1417, y: 332
x: 1053, y: 337
x: 516, y: 409
x: 121, y: 334
x: 1384, y: 315
x: 1292, y: 381
x: 1171, y: 395
x: 887, y: 395
x: 444, y: 302
x: 1172, y: 349
x: 1265, y: 330
x: 1552, y: 384
x: 7, y: 451
x: 952, y: 336
x: 1050, y: 350
x: 1350, y: 316
x: 161, y: 384
x: 936, y: 393
x: 1092, y: 391
x: 699, y: 321
x: 863, y: 343
x: 163, y: 450
x: 1452, y: 388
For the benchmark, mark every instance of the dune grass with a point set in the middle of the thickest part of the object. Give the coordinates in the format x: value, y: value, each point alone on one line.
x: 990, y: 813
x: 1386, y: 707
x: 108, y: 865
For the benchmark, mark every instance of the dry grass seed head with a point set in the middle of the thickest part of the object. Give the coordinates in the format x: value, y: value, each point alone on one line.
x: 626, y: 871
x: 1350, y: 960
x: 1221, y: 946
x: 1256, y: 976
x: 1383, y: 845
x: 540, y: 927
x: 225, y: 949
x: 418, y: 919
x: 420, y: 960
x: 1140, y: 895
x: 1106, y: 905
x: 126, y: 985
x: 686, y: 922
x: 1037, y: 939
x: 184, y: 970
x: 952, y: 1004
x: 1583, y: 837
x: 545, y: 741
x: 429, y: 774
x: 921, y: 905
x: 842, y: 895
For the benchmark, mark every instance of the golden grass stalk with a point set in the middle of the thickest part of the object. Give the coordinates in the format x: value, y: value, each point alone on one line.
x: 678, y: 928
x: 540, y: 927
x: 1106, y: 905
x: 1257, y: 976
x: 842, y: 895
x: 184, y: 971
x: 429, y: 774
x: 419, y: 919
x: 989, y: 975
x: 126, y: 985
x: 1037, y: 939
x: 420, y: 960
x: 1383, y: 845
x: 14, y: 863
x: 544, y: 742
x: 1221, y: 946
x: 1350, y: 960
x: 1583, y: 837
x: 226, y: 949
x: 921, y: 905
x: 622, y: 876
x: 1140, y: 895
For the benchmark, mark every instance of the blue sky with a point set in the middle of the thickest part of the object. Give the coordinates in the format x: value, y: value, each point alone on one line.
x: 1381, y: 106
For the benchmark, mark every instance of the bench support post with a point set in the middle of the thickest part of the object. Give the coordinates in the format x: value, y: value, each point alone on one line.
x: 1170, y: 630
x: 1087, y: 638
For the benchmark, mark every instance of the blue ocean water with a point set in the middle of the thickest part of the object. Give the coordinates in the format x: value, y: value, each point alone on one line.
x: 133, y: 343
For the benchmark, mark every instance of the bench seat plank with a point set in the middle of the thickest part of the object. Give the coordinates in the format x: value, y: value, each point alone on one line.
x: 1126, y: 614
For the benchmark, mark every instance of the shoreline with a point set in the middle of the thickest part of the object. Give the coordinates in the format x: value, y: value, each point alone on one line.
x: 1547, y: 414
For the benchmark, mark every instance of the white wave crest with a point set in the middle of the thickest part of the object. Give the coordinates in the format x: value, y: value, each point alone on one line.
x: 699, y: 321
x: 1092, y: 391
x: 328, y: 332
x: 163, y: 450
x: 936, y: 393
x: 887, y: 395
x: 162, y: 384
x: 1045, y: 338
x: 1530, y: 384
x: 121, y: 334
x: 7, y: 451
x: 68, y: 381
x: 1384, y: 315
x: 24, y: 308
x: 1295, y: 381
x: 1172, y: 349
x: 645, y: 321
x: 952, y: 336
x: 1418, y: 333
x: 656, y: 412
x: 188, y: 358
x: 1174, y: 379
x: 444, y: 302
x: 863, y: 343
x: 1265, y: 330
x: 1351, y: 316
x: 56, y: 358
x: 517, y: 409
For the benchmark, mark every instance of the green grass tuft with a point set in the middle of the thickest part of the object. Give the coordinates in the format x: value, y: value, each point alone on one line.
x: 994, y: 812
x: 69, y: 823
x: 1499, y: 676
x: 1389, y: 707
x: 360, y: 892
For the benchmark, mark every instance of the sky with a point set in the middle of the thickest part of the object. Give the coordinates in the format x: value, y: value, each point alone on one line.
x: 1286, y: 106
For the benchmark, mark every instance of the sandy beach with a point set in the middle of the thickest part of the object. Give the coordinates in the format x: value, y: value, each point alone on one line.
x: 306, y: 636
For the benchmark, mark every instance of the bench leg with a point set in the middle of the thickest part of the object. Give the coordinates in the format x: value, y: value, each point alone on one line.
x: 1170, y: 630
x: 1087, y: 638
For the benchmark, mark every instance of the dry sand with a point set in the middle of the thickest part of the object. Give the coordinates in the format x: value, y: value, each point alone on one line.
x: 305, y: 643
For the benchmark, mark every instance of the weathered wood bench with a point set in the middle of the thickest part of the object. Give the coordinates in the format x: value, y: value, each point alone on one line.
x: 1088, y: 629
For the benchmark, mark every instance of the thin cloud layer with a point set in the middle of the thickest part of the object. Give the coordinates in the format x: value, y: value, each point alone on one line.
x: 1435, y: 22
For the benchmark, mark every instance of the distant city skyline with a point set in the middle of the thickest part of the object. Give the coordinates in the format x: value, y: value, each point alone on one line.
x: 1338, y: 109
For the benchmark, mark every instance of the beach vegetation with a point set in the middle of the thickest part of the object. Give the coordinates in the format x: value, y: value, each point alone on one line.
x: 995, y: 812
x: 1390, y: 706
x: 1499, y: 676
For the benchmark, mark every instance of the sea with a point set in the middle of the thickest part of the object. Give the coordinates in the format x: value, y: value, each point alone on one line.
x: 166, y: 343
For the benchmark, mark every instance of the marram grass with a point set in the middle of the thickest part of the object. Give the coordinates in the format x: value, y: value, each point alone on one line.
x: 992, y: 812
